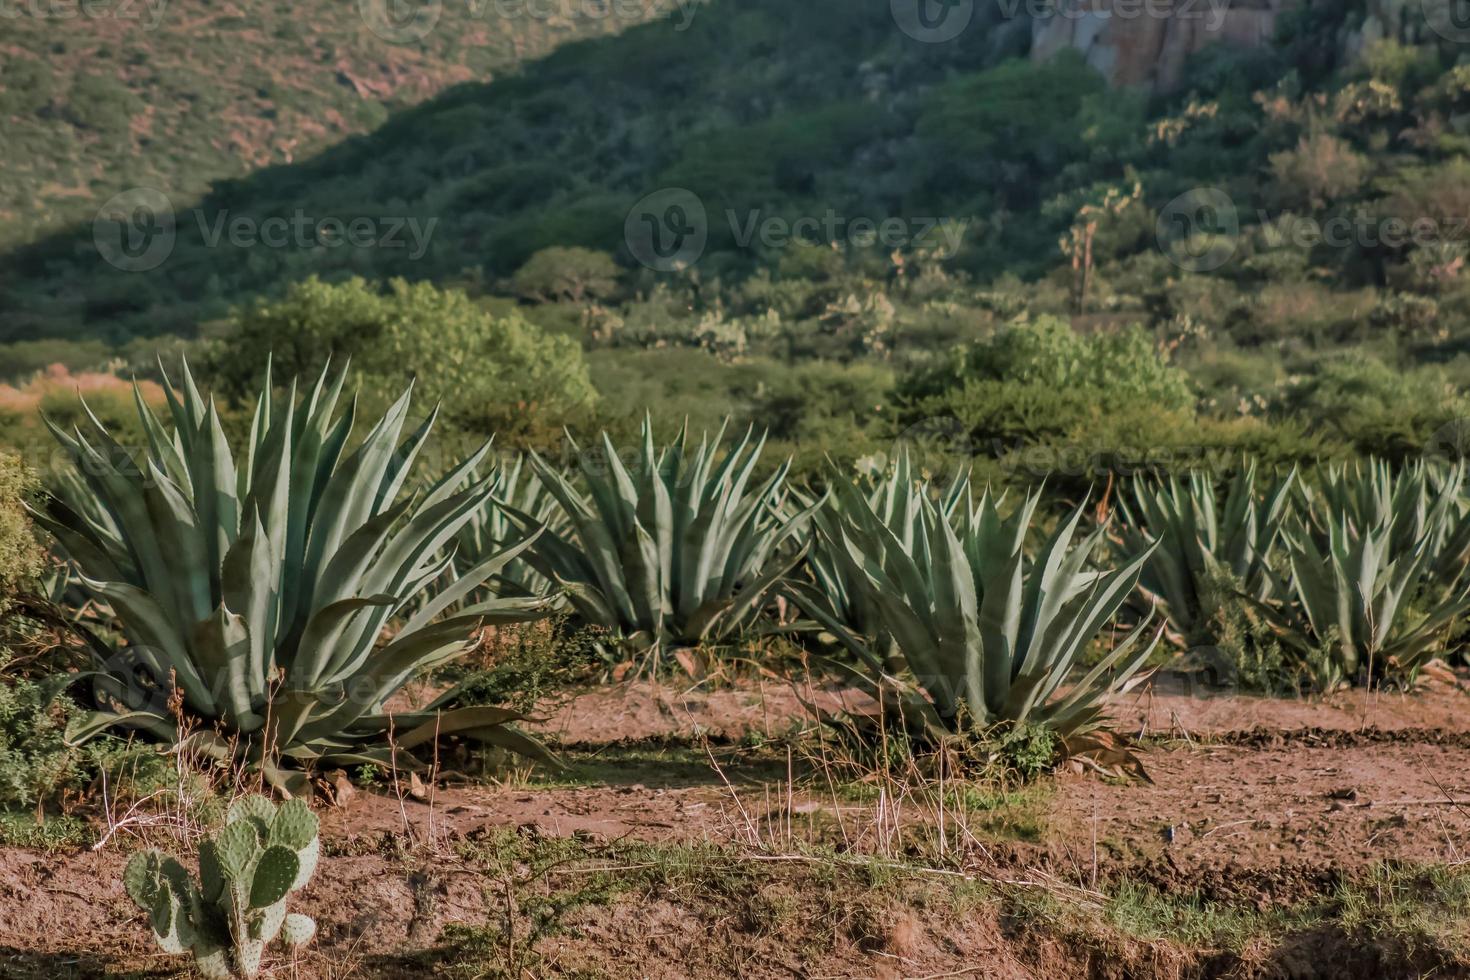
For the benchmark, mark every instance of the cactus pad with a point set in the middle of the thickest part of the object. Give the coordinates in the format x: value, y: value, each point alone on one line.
x: 211, y: 873
x: 294, y: 825
x: 247, y: 958
x: 298, y: 930
x: 213, y: 965
x: 236, y: 848
x: 141, y: 877
x: 266, y: 925
x: 238, y: 907
x: 308, y: 857
x: 275, y: 873
x: 165, y: 915
x: 253, y: 806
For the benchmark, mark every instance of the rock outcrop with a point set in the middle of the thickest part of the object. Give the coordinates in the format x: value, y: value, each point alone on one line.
x: 1148, y: 43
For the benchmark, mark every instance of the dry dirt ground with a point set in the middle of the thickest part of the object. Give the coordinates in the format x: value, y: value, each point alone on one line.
x: 695, y: 834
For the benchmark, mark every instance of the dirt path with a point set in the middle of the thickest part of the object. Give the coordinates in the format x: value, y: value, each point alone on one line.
x: 1251, y: 801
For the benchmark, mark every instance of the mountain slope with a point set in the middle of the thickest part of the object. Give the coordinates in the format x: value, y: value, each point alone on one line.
x: 174, y: 94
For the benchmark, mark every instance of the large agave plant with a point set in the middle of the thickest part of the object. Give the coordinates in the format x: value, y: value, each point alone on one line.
x: 258, y: 590
x: 1355, y: 573
x: 1191, y: 539
x: 896, y: 499
x: 676, y: 549
x: 985, y: 636
x: 1421, y: 506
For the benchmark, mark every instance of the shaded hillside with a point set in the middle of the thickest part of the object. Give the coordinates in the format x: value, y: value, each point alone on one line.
x: 177, y: 93
x: 755, y: 103
x: 826, y: 118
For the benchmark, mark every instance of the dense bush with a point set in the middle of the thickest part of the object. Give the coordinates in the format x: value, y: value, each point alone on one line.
x: 490, y: 373
x: 1043, y: 380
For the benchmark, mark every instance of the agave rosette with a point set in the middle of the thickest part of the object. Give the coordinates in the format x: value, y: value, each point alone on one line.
x: 679, y: 548
x: 984, y: 636
x: 1193, y: 538
x: 257, y: 591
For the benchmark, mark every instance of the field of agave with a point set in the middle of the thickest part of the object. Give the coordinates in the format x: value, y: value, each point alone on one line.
x: 261, y: 604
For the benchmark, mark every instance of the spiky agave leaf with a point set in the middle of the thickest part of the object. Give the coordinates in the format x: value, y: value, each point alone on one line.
x: 260, y: 586
x: 895, y: 499
x: 985, y: 635
x: 1420, y: 506
x: 677, y: 548
x: 1196, y: 538
x: 491, y: 528
x: 1354, y: 572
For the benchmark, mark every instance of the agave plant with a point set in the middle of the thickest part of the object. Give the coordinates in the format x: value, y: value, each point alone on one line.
x: 1419, y: 506
x: 254, y: 592
x: 1355, y: 574
x: 491, y: 529
x: 985, y: 636
x: 674, y: 551
x: 1192, y: 540
x: 895, y: 498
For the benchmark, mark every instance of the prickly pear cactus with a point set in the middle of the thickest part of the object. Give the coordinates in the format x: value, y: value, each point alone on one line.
x: 238, y: 906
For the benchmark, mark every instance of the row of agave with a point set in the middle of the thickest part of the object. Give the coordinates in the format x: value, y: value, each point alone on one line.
x: 283, y: 598
x: 1363, y: 568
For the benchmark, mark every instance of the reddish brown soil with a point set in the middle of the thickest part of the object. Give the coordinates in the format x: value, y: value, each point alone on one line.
x: 1250, y: 800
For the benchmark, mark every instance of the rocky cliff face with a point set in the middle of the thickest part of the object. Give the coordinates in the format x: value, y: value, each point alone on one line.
x: 1148, y: 43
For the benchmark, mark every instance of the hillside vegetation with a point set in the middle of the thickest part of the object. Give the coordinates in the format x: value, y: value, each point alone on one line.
x: 175, y: 94
x: 868, y: 222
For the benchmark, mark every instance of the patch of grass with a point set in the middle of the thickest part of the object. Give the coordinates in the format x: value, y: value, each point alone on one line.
x: 1146, y: 913
x: 1420, y: 914
x: 1424, y: 908
x: 51, y: 834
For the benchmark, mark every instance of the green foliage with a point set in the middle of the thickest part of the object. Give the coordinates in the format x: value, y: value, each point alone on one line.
x: 20, y: 553
x: 491, y: 529
x: 519, y: 666
x: 986, y: 636
x: 671, y: 546
x: 37, y: 767
x: 96, y: 103
x: 1192, y: 541
x: 575, y: 275
x: 1043, y: 380
x: 1004, y: 124
x: 1321, y: 169
x: 488, y: 372
x: 26, y: 86
x: 255, y: 588
x: 1245, y: 652
x: 237, y: 906
x: 897, y: 500
x: 1377, y: 409
x: 1364, y: 545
